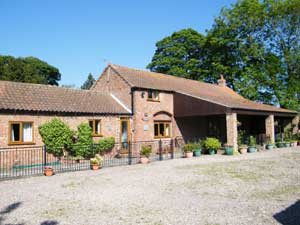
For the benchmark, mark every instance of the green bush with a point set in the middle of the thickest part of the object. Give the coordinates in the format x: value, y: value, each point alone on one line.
x: 56, y: 135
x: 146, y: 151
x: 212, y: 143
x: 105, y: 144
x: 84, y: 142
x: 189, y: 147
x: 252, y: 141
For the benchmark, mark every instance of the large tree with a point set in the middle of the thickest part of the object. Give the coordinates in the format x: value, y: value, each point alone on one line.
x: 29, y: 70
x: 89, y: 82
x: 256, y: 44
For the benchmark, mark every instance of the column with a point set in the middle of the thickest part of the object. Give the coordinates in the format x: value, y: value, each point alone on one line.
x: 270, y: 130
x: 231, y: 129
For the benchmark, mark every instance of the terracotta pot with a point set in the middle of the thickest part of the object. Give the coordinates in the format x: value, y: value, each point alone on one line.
x: 243, y: 150
x: 48, y: 171
x: 188, y: 154
x: 294, y: 143
x: 95, y: 167
x: 144, y: 160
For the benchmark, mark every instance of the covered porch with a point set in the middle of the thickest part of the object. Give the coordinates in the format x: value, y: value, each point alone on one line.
x: 197, y: 119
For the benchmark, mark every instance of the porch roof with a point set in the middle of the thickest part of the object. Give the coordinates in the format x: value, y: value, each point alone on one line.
x: 213, y: 93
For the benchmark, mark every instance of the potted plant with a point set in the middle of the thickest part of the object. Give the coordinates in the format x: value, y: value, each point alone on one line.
x: 280, y: 144
x: 294, y: 143
x: 188, y: 149
x: 145, y: 153
x: 96, y: 162
x: 287, y: 143
x: 228, y: 149
x: 252, y: 145
x: 48, y: 171
x: 269, y: 145
x: 212, y: 144
x: 197, y: 149
x: 243, y: 149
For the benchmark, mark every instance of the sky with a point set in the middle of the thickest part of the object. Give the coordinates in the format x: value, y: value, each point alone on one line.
x: 80, y: 37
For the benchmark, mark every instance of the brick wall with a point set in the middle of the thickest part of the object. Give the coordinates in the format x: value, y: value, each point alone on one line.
x: 110, y: 125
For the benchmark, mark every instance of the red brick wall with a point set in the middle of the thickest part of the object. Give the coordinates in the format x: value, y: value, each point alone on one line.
x: 110, y: 125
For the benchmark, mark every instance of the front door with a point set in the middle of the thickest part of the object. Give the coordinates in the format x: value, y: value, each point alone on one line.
x: 125, y: 135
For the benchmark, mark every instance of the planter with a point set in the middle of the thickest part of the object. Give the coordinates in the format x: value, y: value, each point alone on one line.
x: 287, y: 144
x: 48, y: 171
x: 252, y: 149
x: 144, y: 160
x: 197, y: 152
x: 269, y: 146
x: 294, y: 143
x: 95, y: 167
x: 243, y: 150
x: 188, y: 154
x: 211, y: 151
x: 229, y: 151
x: 280, y: 145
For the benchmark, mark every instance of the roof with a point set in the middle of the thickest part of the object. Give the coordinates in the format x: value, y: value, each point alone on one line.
x: 209, y: 92
x: 47, y: 98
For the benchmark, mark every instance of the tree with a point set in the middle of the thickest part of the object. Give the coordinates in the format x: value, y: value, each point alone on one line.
x: 256, y: 44
x: 84, y: 142
x: 28, y: 70
x: 89, y: 82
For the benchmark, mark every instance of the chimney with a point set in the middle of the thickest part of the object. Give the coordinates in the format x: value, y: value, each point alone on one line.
x: 222, y: 81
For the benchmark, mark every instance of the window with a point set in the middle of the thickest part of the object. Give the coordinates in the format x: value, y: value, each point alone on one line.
x: 20, y: 133
x: 153, y: 95
x: 96, y: 127
x: 162, y: 129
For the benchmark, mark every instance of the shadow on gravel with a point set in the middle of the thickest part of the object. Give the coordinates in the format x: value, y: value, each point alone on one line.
x: 289, y: 216
x: 8, y: 209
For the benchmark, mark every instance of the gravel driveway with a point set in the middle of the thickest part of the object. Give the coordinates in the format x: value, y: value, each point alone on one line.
x: 257, y: 188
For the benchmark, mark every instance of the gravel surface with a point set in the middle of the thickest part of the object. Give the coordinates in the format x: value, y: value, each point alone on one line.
x: 257, y: 188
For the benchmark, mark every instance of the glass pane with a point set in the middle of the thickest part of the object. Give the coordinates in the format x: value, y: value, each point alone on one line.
x: 15, y: 132
x: 167, y: 129
x: 27, y: 132
x: 97, y: 127
x: 155, y: 95
x: 124, y: 131
x: 161, y: 129
x: 91, y: 124
x: 150, y: 94
x: 155, y: 129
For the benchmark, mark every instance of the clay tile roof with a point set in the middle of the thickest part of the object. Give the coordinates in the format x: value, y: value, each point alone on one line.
x: 47, y: 98
x: 205, y: 91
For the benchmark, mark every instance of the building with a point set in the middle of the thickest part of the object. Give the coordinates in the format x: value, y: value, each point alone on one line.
x: 137, y: 105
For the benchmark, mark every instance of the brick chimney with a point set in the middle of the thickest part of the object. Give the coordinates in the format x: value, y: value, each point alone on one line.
x: 222, y: 81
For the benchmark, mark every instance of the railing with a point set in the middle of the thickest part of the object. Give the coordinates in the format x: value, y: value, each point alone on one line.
x: 29, y: 161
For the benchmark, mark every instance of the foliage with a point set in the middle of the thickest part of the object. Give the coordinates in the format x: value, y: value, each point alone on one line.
x: 212, y: 143
x: 252, y: 141
x: 56, y: 135
x: 28, y: 70
x: 89, y: 82
x: 241, y: 137
x: 97, y: 160
x: 189, y: 147
x: 83, y: 146
x: 105, y: 144
x: 254, y: 43
x: 146, y: 151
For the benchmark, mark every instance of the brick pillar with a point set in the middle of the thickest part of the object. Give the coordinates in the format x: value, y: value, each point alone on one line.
x: 270, y: 130
x: 295, y: 122
x: 231, y: 129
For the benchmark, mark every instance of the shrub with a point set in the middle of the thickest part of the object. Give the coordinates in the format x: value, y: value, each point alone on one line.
x: 146, y: 151
x: 189, y: 147
x: 252, y: 141
x: 97, y: 160
x: 84, y: 142
x: 212, y: 143
x: 105, y: 144
x: 56, y: 135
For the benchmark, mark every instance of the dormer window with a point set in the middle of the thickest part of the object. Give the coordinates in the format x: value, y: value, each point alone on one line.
x: 153, y: 95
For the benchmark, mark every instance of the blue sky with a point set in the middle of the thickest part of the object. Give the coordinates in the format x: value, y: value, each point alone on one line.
x: 77, y: 36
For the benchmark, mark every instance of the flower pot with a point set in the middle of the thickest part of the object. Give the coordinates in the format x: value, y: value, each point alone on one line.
x: 243, y: 150
x: 280, y: 145
x: 294, y: 143
x: 197, y: 152
x: 48, y: 171
x: 144, y: 160
x: 287, y: 144
x: 188, y: 154
x: 229, y: 151
x: 211, y: 151
x: 252, y: 149
x: 269, y: 146
x: 95, y: 167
